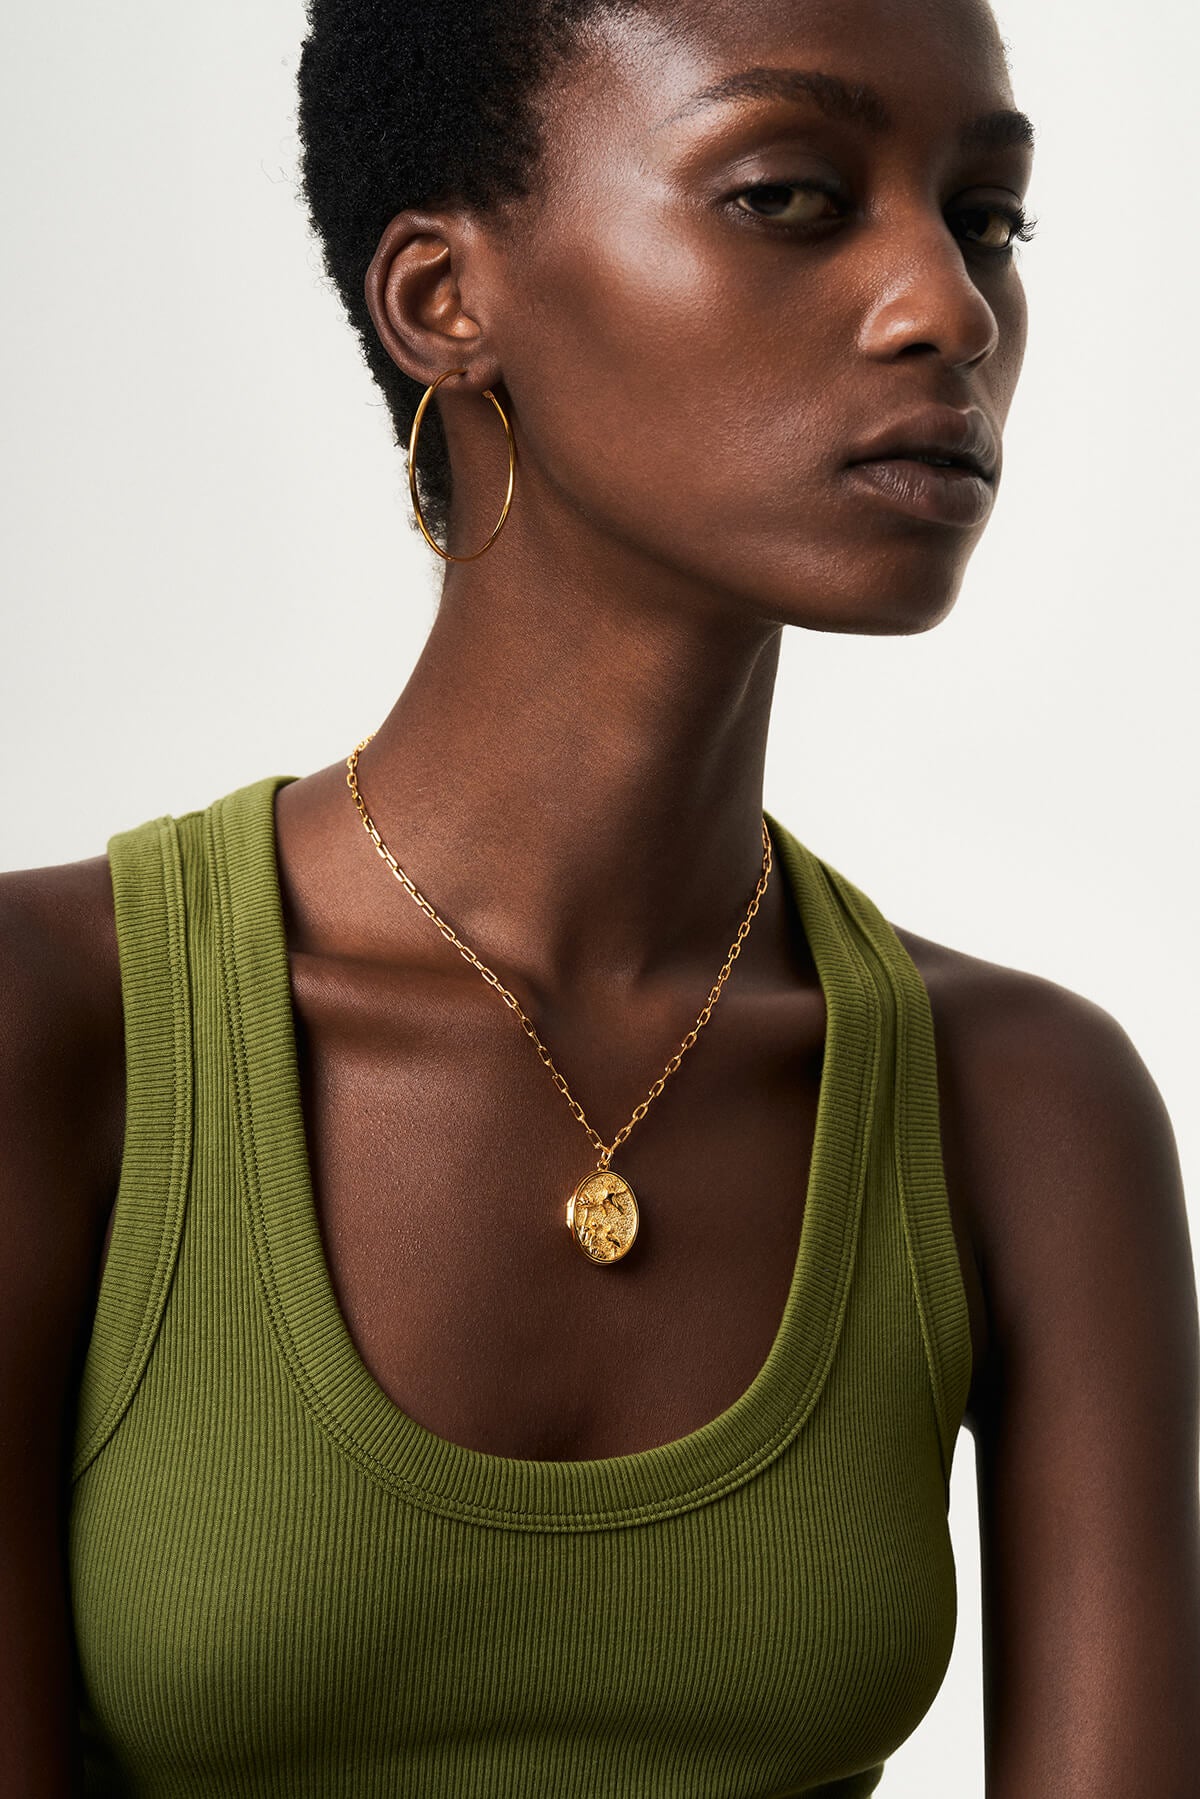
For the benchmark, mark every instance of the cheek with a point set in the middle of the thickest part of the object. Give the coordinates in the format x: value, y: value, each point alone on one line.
x: 1012, y: 318
x: 657, y: 374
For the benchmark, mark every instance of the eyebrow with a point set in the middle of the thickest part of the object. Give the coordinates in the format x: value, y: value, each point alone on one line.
x: 851, y: 102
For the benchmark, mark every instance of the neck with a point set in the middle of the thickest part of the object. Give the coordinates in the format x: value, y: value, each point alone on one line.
x: 602, y: 762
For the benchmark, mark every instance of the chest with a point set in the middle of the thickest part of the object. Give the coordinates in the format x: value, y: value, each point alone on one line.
x: 442, y: 1155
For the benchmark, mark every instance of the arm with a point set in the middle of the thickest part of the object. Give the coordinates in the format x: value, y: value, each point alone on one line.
x: 50, y: 1137
x: 1087, y: 1429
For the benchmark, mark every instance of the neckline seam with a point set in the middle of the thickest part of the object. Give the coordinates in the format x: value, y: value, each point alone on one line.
x: 329, y: 1419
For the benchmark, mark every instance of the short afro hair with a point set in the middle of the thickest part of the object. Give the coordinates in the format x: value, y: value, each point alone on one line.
x: 420, y: 105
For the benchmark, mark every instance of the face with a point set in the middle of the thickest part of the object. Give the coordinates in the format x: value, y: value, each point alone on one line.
x: 739, y: 330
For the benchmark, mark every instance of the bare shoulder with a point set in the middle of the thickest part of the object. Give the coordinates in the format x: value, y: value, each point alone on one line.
x: 61, y: 1086
x: 982, y: 1006
x: 61, y: 1029
x: 1026, y: 1045
x: 61, y: 1119
x: 62, y: 1103
x: 1087, y: 1422
x: 1055, y: 1125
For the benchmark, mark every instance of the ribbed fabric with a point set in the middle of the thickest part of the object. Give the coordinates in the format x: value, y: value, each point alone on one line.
x: 284, y: 1585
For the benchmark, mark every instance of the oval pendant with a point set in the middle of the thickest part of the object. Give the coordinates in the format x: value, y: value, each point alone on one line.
x: 602, y: 1216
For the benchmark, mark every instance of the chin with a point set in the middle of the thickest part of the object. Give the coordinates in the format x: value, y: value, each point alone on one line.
x: 890, y: 616
x: 907, y: 597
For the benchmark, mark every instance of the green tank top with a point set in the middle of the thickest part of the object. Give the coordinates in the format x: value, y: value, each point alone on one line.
x: 282, y: 1584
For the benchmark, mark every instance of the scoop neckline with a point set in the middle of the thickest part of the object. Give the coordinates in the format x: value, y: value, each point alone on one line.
x: 340, y: 1392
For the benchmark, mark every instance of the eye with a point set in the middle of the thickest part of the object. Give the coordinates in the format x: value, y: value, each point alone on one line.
x: 790, y: 202
x: 995, y: 229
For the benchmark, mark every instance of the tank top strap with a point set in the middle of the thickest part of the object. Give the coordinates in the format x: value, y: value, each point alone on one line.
x: 148, y: 899
x: 932, y: 1251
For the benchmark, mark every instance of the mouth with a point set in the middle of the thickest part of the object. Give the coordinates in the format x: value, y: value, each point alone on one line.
x: 948, y: 460
x: 936, y: 490
x: 945, y: 459
x: 940, y: 436
x: 940, y: 465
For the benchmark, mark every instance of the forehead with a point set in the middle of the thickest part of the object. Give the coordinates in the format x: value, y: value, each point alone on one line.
x: 932, y: 62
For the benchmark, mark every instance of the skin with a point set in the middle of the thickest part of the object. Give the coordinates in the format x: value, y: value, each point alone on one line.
x: 590, y: 714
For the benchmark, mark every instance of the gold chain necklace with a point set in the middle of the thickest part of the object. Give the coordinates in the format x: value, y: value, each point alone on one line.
x: 602, y: 1213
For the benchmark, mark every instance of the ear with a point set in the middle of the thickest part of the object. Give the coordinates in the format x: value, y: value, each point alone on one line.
x: 413, y: 293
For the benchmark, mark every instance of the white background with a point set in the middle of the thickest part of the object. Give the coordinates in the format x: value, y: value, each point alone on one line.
x: 209, y: 573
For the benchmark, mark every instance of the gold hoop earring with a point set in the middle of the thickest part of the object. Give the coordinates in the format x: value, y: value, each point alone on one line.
x: 412, y: 468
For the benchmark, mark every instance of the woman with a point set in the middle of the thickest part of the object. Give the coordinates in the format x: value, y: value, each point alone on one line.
x: 356, y: 1473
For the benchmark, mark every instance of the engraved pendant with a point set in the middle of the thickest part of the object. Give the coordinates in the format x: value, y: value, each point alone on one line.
x: 602, y: 1216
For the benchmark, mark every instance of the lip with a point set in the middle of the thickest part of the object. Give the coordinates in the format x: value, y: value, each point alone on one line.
x: 960, y: 435
x: 944, y: 496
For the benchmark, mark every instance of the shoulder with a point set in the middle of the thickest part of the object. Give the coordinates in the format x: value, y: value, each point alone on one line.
x: 1056, y: 1135
x: 60, y: 983
x: 981, y: 1004
x: 61, y: 1050
x: 61, y: 1117
x: 1056, y: 1121
x: 1059, y: 1143
x: 1018, y: 1050
x: 1006, y: 1041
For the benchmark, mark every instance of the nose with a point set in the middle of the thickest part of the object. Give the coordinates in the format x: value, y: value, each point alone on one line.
x: 924, y: 301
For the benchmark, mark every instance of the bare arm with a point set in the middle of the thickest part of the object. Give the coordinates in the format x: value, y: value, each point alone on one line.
x: 55, y: 1158
x: 1088, y: 1432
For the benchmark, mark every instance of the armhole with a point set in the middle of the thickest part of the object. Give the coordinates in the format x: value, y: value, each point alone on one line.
x: 147, y: 882
x: 925, y: 1203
